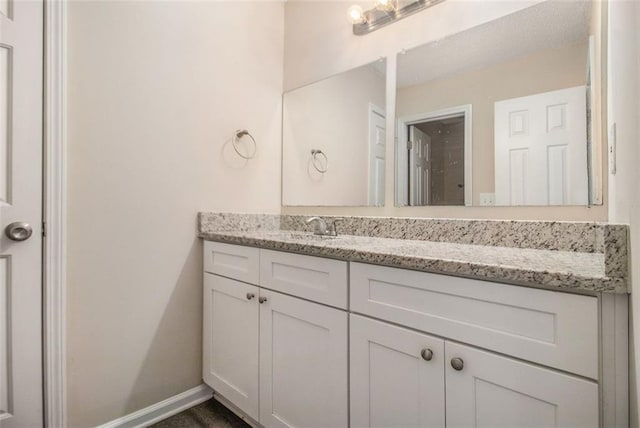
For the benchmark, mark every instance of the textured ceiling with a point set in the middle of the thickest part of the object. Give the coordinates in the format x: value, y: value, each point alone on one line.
x: 548, y: 25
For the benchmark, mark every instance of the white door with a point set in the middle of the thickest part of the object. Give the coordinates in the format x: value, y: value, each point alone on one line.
x: 377, y: 155
x: 419, y: 167
x: 230, y: 346
x: 397, y: 376
x: 303, y: 363
x: 491, y: 391
x: 541, y: 149
x: 21, y: 77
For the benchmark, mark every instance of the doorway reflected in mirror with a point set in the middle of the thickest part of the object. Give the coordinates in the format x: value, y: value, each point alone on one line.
x: 435, y: 169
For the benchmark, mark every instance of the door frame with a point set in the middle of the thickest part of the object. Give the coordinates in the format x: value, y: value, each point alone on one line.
x: 402, y: 160
x: 54, y: 213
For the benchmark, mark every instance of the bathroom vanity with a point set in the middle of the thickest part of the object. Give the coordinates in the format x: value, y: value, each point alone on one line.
x: 409, y: 322
x: 304, y: 330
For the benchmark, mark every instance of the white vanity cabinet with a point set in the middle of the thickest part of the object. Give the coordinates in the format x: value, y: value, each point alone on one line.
x: 404, y: 378
x: 279, y: 359
x: 480, y: 388
x: 301, y: 341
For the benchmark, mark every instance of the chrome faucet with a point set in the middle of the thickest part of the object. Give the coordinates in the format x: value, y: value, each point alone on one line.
x: 321, y: 227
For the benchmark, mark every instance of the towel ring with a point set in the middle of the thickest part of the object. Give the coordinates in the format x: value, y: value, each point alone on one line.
x: 317, y: 164
x: 234, y: 140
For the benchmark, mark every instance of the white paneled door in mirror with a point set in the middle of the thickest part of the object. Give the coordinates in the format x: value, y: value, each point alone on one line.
x: 377, y: 154
x: 21, y: 75
x: 540, y: 150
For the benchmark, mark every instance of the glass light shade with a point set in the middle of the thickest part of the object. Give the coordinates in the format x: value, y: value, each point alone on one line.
x: 356, y: 14
x: 386, y: 5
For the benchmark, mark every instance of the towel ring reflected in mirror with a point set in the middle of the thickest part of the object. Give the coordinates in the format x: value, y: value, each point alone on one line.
x: 316, y: 161
x: 236, y: 138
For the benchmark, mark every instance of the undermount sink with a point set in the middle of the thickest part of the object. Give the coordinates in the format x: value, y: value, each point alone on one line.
x: 301, y: 236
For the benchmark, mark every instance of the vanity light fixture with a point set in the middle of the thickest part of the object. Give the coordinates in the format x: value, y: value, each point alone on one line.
x: 384, y: 13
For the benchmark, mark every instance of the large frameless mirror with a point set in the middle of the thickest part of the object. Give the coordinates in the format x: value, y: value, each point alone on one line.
x: 333, y: 140
x: 508, y: 113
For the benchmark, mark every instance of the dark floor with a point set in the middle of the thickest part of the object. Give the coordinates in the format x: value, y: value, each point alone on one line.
x: 208, y: 414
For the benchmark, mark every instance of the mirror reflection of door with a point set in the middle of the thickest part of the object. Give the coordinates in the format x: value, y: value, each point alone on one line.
x: 541, y: 149
x: 420, y: 167
x: 436, y: 161
x: 377, y: 155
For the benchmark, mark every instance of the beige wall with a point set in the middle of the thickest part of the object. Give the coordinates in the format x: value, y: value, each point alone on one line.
x: 319, y: 43
x: 331, y: 115
x: 540, y: 72
x: 624, y: 192
x: 155, y: 91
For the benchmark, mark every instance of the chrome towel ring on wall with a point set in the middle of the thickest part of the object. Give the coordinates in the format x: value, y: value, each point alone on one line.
x: 316, y: 161
x: 237, y: 136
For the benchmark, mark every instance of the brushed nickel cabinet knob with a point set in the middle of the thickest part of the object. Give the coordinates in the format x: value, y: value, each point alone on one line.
x: 457, y: 363
x: 250, y: 296
x: 427, y: 354
x: 262, y: 299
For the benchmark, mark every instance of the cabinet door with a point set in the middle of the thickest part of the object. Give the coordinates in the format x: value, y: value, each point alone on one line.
x: 493, y: 391
x: 303, y: 363
x: 230, y: 345
x: 392, y: 383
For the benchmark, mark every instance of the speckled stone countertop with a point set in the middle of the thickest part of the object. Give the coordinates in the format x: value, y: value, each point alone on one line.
x: 570, y: 271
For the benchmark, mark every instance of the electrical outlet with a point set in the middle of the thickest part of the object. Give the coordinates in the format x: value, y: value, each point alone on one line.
x: 487, y: 199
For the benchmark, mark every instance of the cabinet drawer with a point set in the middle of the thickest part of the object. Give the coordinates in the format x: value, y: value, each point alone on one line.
x: 552, y: 328
x: 232, y: 261
x: 314, y: 278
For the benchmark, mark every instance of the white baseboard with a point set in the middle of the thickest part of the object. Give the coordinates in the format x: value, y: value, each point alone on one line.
x: 162, y: 410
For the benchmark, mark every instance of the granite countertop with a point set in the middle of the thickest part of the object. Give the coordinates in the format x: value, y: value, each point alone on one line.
x: 542, y: 268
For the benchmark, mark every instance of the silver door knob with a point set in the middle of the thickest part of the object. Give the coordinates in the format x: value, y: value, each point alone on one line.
x: 457, y: 363
x: 262, y: 299
x: 250, y: 296
x: 18, y: 231
x: 427, y: 354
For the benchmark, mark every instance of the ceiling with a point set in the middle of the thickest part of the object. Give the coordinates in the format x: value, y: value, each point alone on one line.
x: 548, y: 25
